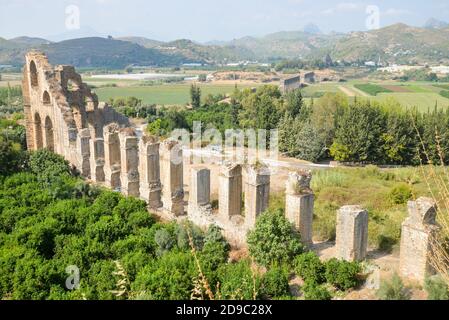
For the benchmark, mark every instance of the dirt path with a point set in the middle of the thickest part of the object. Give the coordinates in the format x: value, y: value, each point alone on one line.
x: 359, y: 92
x: 347, y: 91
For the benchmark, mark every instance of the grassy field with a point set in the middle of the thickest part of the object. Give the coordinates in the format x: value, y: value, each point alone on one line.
x: 168, y: 94
x: 422, y: 101
x: 422, y: 95
x: 383, y: 192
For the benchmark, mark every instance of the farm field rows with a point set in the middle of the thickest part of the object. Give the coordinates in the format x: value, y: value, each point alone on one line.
x: 420, y: 95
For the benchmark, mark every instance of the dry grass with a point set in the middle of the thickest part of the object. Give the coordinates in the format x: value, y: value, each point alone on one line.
x: 437, y: 180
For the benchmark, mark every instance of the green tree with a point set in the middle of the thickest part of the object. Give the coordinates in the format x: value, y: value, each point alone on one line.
x: 12, y: 159
x: 357, y: 134
x: 48, y: 166
x: 293, y: 103
x: 195, y: 96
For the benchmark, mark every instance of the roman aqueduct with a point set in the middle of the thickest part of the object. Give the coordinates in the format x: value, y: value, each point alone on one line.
x: 65, y: 116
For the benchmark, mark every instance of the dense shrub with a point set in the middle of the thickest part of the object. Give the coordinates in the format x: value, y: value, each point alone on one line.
x: 238, y: 281
x: 310, y: 268
x: 48, y: 166
x: 168, y: 278
x: 273, y: 239
x: 314, y: 291
x: 274, y: 283
x: 342, y: 274
x: 400, y: 194
x: 12, y: 159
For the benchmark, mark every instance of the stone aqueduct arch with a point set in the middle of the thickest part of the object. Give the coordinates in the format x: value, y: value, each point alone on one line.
x: 59, y: 106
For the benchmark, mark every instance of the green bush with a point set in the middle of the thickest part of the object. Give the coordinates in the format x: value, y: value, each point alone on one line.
x: 165, y: 241
x: 196, y: 235
x: 400, y: 194
x: 12, y: 159
x: 436, y: 288
x: 168, y: 278
x: 48, y: 166
x: 342, y: 274
x: 238, y: 281
x: 273, y: 239
x: 444, y: 93
x: 310, y: 268
x: 274, y: 283
x: 393, y: 290
x: 314, y: 291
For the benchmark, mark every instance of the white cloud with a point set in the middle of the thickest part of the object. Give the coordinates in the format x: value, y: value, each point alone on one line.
x: 396, y: 12
x: 348, y: 6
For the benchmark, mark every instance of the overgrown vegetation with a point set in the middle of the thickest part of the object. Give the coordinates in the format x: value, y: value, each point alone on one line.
x: 393, y: 289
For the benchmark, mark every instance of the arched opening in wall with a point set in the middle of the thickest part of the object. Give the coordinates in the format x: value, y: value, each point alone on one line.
x: 89, y: 104
x: 49, y: 137
x: 33, y: 74
x: 46, y: 98
x: 38, y: 132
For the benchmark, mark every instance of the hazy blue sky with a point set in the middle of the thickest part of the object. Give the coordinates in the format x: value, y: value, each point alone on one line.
x: 204, y: 20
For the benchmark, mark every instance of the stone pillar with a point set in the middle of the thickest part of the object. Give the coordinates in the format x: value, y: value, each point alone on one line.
x: 112, y: 158
x: 84, y: 152
x: 130, y: 162
x: 150, y: 174
x: 418, y: 231
x: 299, y: 200
x: 97, y: 159
x: 230, y: 191
x: 199, y: 194
x: 257, y: 192
x: 352, y: 233
x: 172, y: 177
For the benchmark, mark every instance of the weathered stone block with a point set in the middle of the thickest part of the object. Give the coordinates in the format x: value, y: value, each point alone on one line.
x: 230, y: 191
x: 418, y: 232
x: 299, y: 203
x: 257, y: 192
x: 352, y: 233
x: 112, y: 155
x: 172, y: 177
x: 83, y: 151
x: 130, y: 163
x: 150, y: 184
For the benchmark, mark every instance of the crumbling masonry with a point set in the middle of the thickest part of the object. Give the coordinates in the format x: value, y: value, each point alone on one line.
x: 64, y: 116
x: 418, y: 232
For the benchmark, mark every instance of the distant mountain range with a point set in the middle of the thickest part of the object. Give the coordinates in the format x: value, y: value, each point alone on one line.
x: 398, y: 43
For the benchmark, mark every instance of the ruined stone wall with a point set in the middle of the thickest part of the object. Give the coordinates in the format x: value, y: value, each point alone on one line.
x: 65, y: 116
